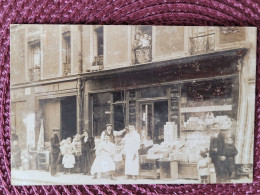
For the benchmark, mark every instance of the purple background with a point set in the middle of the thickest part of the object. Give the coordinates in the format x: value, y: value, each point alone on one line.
x: 157, y: 12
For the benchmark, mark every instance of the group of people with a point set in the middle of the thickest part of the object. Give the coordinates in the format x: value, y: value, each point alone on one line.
x: 78, y: 152
x: 96, y: 156
x: 222, y: 152
x: 142, y: 48
x: 105, y: 152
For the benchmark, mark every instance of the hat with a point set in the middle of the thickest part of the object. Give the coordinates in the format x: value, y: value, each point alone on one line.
x: 109, y: 125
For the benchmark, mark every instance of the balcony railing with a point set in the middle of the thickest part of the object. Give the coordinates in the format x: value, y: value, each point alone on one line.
x: 202, y: 44
x: 67, y: 68
x: 143, y: 55
x: 98, y: 60
x: 35, y: 73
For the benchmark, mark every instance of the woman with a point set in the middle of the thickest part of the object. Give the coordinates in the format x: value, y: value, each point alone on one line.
x: 87, y: 147
x: 68, y: 160
x: 104, y: 159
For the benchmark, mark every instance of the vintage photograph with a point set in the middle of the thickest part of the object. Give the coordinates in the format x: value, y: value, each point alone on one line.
x: 122, y: 104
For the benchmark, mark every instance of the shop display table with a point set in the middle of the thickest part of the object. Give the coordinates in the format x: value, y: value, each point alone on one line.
x: 148, y: 167
x: 168, y: 169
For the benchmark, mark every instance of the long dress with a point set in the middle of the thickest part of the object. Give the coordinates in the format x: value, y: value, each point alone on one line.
x: 131, y: 147
x: 104, y: 158
x: 68, y: 160
x: 87, y: 153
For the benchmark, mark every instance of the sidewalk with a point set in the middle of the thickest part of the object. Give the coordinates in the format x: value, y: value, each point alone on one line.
x: 34, y: 177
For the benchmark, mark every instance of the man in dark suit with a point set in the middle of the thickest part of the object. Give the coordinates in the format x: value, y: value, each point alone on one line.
x: 55, y: 150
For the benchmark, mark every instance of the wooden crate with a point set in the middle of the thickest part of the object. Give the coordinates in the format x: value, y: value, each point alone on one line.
x: 188, y: 170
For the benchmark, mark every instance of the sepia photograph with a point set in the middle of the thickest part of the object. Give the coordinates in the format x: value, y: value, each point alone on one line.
x: 123, y: 104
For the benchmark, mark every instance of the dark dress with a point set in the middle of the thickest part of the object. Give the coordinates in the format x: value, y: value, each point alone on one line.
x: 55, y: 150
x: 230, y: 152
x: 87, y: 154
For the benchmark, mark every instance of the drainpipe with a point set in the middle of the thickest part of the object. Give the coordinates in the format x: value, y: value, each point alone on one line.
x: 80, y: 94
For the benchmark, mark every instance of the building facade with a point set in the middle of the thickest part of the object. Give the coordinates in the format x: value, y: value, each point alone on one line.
x: 82, y: 77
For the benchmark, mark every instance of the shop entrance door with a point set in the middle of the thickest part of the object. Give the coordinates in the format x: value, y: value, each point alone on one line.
x: 68, y: 117
x: 154, y: 116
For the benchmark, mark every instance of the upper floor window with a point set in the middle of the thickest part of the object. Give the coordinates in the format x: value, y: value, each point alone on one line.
x: 35, y: 60
x: 66, y: 53
x: 202, y: 39
x: 99, y: 45
x: 142, y: 45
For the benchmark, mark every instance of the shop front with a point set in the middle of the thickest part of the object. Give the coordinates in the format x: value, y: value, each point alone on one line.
x: 176, y: 106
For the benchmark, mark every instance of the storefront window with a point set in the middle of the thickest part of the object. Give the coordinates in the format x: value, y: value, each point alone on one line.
x: 152, y: 92
x: 209, y: 105
x: 119, y: 110
x: 101, y: 112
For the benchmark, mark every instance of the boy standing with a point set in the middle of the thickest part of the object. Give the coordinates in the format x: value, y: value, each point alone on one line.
x: 230, y: 152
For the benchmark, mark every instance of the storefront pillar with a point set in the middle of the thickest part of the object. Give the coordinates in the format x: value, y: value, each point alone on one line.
x: 80, y: 106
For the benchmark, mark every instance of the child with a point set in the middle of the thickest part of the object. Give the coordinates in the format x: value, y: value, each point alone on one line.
x: 68, y: 160
x: 230, y: 152
x: 203, y: 168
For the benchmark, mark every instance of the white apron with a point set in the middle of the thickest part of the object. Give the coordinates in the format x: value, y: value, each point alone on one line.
x: 132, y: 144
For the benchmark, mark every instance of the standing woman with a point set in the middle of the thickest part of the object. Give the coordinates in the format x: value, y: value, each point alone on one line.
x: 68, y: 160
x: 86, y: 153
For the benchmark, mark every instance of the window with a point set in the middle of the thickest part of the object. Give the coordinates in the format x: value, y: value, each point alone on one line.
x: 99, y: 45
x: 142, y: 45
x: 153, y: 92
x: 119, y: 110
x: 202, y: 39
x: 35, y: 61
x: 101, y: 112
x: 66, y: 53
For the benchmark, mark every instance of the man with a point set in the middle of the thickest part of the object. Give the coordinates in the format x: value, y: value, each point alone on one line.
x: 217, y: 154
x: 131, y: 147
x: 55, y: 150
x: 110, y: 133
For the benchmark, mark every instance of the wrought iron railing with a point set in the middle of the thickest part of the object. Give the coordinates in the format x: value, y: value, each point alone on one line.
x: 35, y: 73
x: 202, y: 44
x: 67, y: 68
x: 98, y: 60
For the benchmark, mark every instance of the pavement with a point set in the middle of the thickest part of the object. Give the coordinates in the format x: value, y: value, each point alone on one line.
x: 35, y: 177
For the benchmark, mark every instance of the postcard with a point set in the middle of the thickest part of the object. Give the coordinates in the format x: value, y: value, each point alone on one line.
x: 122, y: 104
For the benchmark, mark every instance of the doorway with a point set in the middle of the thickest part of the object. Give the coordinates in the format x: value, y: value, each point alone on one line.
x: 68, y: 107
x: 154, y: 116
